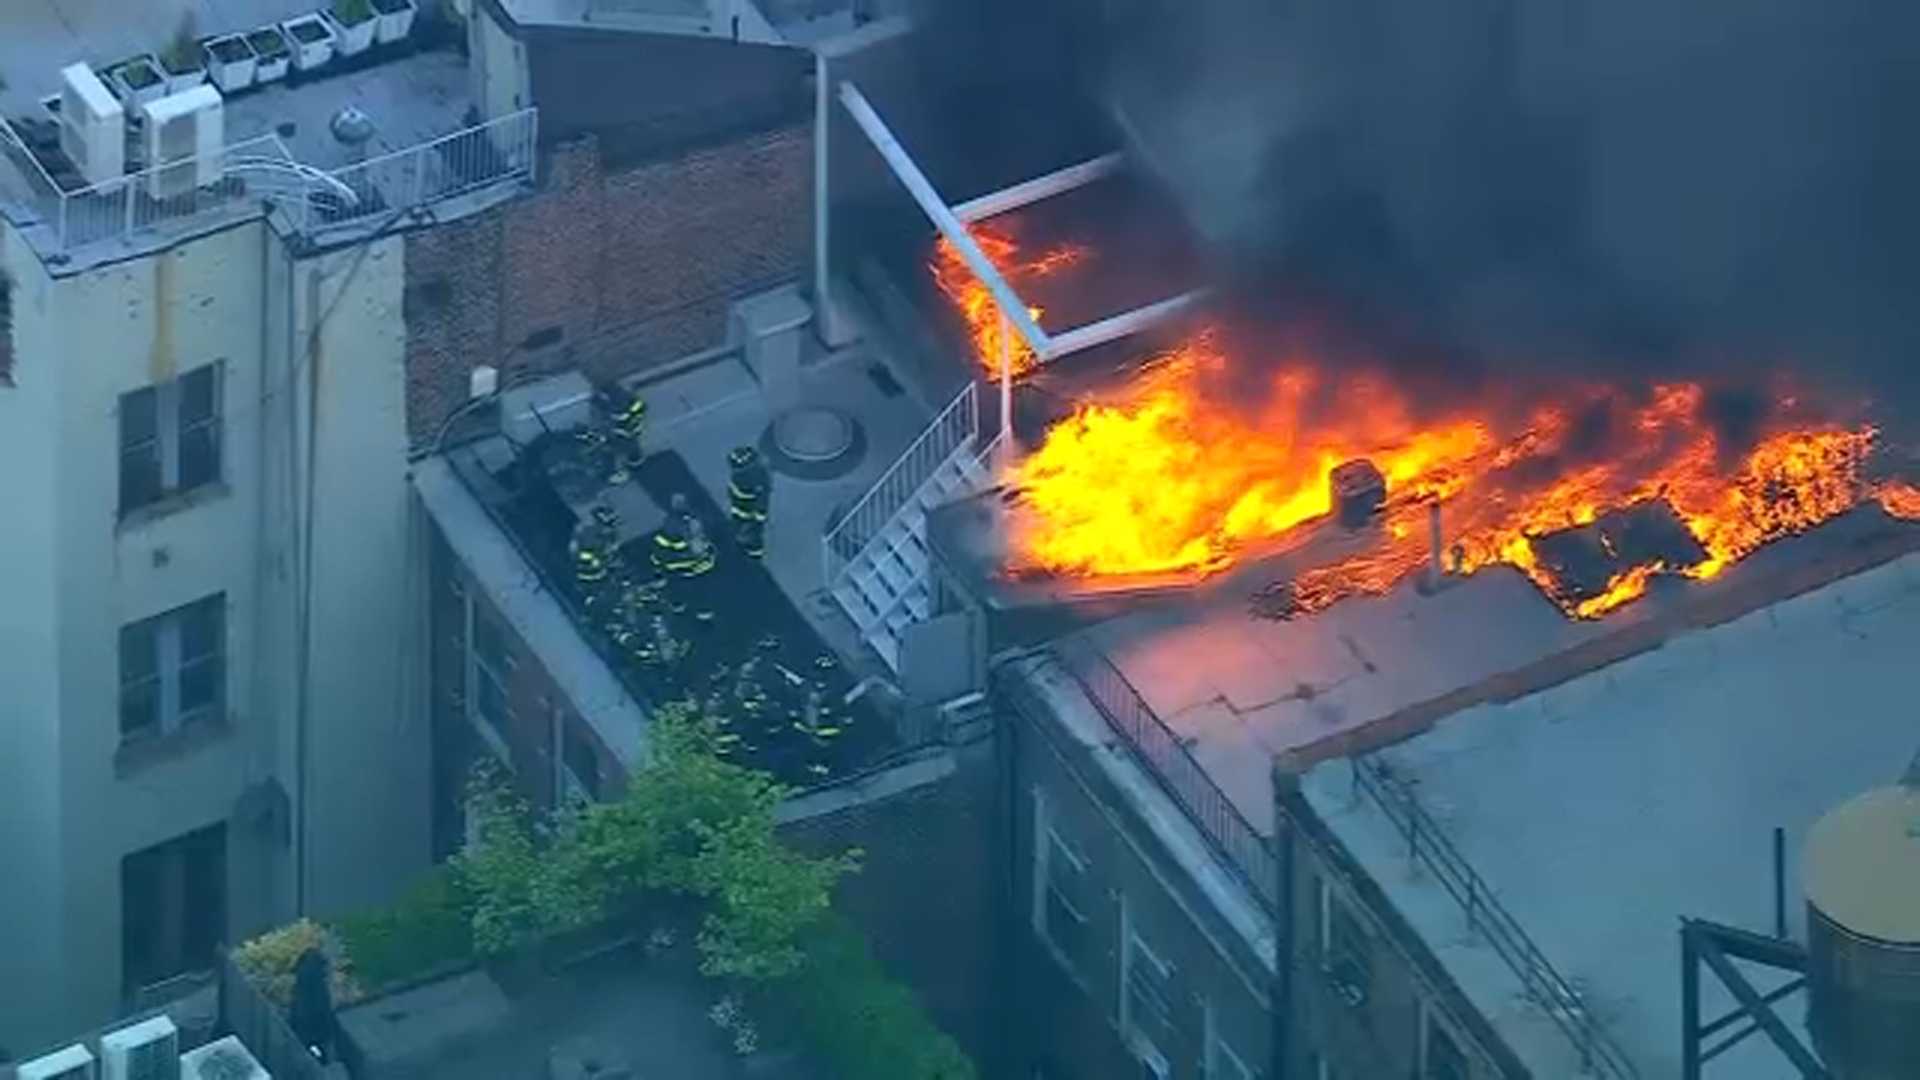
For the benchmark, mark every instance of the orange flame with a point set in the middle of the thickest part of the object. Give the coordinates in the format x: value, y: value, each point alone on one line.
x: 976, y: 304
x: 1167, y: 479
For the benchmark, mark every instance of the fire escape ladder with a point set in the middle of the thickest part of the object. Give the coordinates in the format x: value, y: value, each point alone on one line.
x: 877, y: 556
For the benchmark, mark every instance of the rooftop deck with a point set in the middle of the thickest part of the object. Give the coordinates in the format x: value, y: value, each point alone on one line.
x: 1601, y: 811
x: 281, y: 158
x: 695, y: 417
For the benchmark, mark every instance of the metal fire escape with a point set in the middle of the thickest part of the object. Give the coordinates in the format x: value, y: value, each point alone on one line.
x: 875, y: 559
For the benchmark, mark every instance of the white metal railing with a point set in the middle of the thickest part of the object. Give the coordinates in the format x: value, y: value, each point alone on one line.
x: 957, y: 425
x: 41, y: 190
x: 452, y: 165
x: 117, y: 209
x: 1542, y: 982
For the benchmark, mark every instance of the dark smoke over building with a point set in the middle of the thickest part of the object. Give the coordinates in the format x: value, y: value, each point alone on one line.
x: 1571, y: 182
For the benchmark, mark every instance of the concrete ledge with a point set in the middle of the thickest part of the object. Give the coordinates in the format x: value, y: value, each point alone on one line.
x: 1629, y: 641
x: 922, y: 770
x: 535, y: 616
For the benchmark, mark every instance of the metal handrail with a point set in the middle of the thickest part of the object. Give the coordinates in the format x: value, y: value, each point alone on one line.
x: 860, y: 527
x: 20, y: 148
x: 1249, y: 855
x: 114, y: 209
x: 1542, y: 982
x: 468, y: 160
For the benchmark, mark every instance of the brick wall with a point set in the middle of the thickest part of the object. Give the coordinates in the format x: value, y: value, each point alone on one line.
x: 927, y: 895
x: 1405, y: 988
x: 610, y: 271
x: 534, y: 703
x: 1067, y: 1018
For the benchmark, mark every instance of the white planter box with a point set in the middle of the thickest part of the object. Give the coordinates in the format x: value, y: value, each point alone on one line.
x: 352, y: 40
x: 136, y: 96
x: 230, y: 75
x: 316, y: 48
x: 394, y: 25
x: 270, y: 67
x: 186, y: 81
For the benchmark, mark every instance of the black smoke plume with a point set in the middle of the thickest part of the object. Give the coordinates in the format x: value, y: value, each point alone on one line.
x: 1637, y: 187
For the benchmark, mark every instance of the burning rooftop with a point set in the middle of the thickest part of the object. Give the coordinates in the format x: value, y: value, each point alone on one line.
x: 1214, y: 453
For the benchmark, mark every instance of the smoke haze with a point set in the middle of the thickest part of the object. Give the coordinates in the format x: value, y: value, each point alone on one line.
x: 1565, y: 182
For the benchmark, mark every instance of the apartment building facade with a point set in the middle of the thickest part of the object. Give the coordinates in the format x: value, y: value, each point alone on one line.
x: 208, y: 632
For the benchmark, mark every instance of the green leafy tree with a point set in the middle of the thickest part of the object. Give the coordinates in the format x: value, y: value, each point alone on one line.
x: 765, y: 895
x: 520, y: 877
x: 859, y: 1022
x: 690, y: 824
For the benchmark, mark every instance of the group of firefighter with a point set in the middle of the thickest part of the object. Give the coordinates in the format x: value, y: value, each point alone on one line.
x: 639, y: 607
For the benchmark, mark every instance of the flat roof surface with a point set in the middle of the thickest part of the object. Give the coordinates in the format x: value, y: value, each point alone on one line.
x: 411, y: 99
x: 1603, y: 810
x: 1241, y: 690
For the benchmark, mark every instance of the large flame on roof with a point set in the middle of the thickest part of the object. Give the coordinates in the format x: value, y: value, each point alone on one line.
x: 1175, y: 475
x: 984, y: 326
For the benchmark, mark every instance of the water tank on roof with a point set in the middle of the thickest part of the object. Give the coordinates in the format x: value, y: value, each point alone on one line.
x: 1862, y: 873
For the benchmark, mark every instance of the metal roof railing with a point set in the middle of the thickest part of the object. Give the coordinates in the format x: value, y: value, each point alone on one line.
x: 251, y: 172
x: 1243, y: 849
x: 1544, y: 985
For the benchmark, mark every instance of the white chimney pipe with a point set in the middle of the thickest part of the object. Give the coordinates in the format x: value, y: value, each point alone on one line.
x: 482, y: 382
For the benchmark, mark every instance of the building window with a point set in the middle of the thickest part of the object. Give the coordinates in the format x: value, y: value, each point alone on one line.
x: 490, y: 663
x: 169, y: 438
x: 173, y: 908
x: 1440, y: 1055
x: 1146, y: 1000
x: 1221, y: 1062
x: 173, y: 669
x: 1062, y: 899
x: 1345, y: 953
x: 6, y: 330
x: 576, y: 771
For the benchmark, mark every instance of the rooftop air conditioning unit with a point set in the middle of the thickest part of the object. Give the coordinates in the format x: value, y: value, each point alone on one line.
x: 72, y: 1063
x: 93, y: 125
x: 185, y: 133
x: 223, y: 1059
x: 557, y: 404
x: 149, y: 1050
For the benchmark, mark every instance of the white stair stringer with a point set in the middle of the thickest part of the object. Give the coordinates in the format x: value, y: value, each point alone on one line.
x: 887, y: 586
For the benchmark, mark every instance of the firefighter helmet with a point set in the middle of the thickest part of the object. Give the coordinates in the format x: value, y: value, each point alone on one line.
x: 741, y: 457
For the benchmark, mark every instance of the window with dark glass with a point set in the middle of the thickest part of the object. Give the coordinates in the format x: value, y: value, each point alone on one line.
x: 492, y: 663
x: 582, y: 764
x: 173, y: 669
x: 1443, y: 1059
x: 1149, y: 990
x: 170, y: 438
x: 1349, y: 966
x: 1064, y: 915
x: 6, y: 330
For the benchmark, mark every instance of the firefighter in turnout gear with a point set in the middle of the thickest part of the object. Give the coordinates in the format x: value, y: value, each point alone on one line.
x: 749, y: 490
x: 817, y: 723
x: 673, y: 544
x: 681, y: 554
x: 629, y: 428
x: 594, y: 452
x: 593, y: 547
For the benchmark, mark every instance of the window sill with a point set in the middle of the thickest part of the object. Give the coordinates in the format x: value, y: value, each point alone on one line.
x: 139, y: 753
x: 169, y: 505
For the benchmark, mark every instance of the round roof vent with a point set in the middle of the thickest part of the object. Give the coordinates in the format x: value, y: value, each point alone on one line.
x: 351, y: 126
